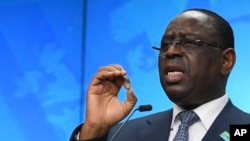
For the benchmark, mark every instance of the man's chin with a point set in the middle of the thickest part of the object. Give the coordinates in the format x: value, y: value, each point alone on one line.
x: 177, y: 96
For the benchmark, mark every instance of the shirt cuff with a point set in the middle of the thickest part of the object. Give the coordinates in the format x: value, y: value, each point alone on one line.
x: 95, y: 139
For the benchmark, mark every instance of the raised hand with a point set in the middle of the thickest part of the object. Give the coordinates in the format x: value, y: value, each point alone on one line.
x: 103, y: 106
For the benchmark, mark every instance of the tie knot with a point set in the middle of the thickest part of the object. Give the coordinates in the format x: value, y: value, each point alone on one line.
x: 188, y: 117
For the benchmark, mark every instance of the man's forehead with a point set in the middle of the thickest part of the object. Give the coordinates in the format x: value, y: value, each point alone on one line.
x: 194, y: 18
x: 190, y: 23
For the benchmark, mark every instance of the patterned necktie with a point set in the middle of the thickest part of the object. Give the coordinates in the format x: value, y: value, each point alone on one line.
x: 187, y: 118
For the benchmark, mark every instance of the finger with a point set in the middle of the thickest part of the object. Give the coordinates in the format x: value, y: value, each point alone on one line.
x: 116, y: 71
x: 113, y: 67
x: 101, y: 76
x: 126, y: 82
x: 118, y: 67
x: 129, y: 102
x: 119, y: 81
x: 112, y: 73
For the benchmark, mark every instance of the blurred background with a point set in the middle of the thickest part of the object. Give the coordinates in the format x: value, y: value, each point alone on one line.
x: 50, y: 49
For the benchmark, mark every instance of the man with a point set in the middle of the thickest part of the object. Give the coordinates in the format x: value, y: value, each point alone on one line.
x: 196, y: 57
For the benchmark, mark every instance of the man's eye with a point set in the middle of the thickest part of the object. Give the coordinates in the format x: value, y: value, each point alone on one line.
x: 188, y: 42
x: 166, y: 44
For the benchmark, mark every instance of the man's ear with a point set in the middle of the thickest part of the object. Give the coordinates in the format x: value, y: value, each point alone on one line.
x: 228, y: 60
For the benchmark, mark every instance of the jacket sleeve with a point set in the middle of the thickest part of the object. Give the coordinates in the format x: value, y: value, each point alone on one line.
x: 73, y: 136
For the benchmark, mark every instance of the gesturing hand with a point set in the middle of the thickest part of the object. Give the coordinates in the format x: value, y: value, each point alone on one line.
x: 103, y: 107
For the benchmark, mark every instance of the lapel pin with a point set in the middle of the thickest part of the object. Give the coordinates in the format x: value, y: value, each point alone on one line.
x: 225, y: 136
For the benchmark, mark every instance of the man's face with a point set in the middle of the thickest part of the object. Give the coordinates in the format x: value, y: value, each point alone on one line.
x: 191, y: 78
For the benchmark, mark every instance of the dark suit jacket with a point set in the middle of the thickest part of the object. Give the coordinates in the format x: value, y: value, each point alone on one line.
x: 156, y: 127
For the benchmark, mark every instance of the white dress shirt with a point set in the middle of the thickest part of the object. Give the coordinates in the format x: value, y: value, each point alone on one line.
x: 207, y: 114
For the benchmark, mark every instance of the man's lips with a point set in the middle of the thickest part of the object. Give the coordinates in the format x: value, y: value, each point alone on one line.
x: 173, y: 73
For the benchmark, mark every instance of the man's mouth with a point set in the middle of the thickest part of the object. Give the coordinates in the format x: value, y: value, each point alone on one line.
x: 172, y: 73
x: 174, y: 76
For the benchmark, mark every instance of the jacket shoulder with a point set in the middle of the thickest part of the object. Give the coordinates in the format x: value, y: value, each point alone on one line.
x: 132, y: 128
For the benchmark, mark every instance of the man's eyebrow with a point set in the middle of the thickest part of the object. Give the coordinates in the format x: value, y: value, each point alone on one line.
x: 181, y: 35
x: 187, y: 37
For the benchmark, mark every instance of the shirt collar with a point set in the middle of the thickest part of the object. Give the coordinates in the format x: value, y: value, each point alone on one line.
x: 206, y: 112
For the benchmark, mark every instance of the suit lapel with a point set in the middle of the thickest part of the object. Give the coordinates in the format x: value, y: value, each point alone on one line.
x: 158, y: 128
x: 221, y: 123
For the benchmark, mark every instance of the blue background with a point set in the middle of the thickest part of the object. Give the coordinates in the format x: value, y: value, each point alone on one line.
x: 50, y: 49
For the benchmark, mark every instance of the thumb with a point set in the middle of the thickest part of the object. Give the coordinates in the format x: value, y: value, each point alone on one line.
x: 129, y: 102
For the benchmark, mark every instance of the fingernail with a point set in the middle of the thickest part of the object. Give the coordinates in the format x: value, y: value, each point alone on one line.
x: 126, y: 84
